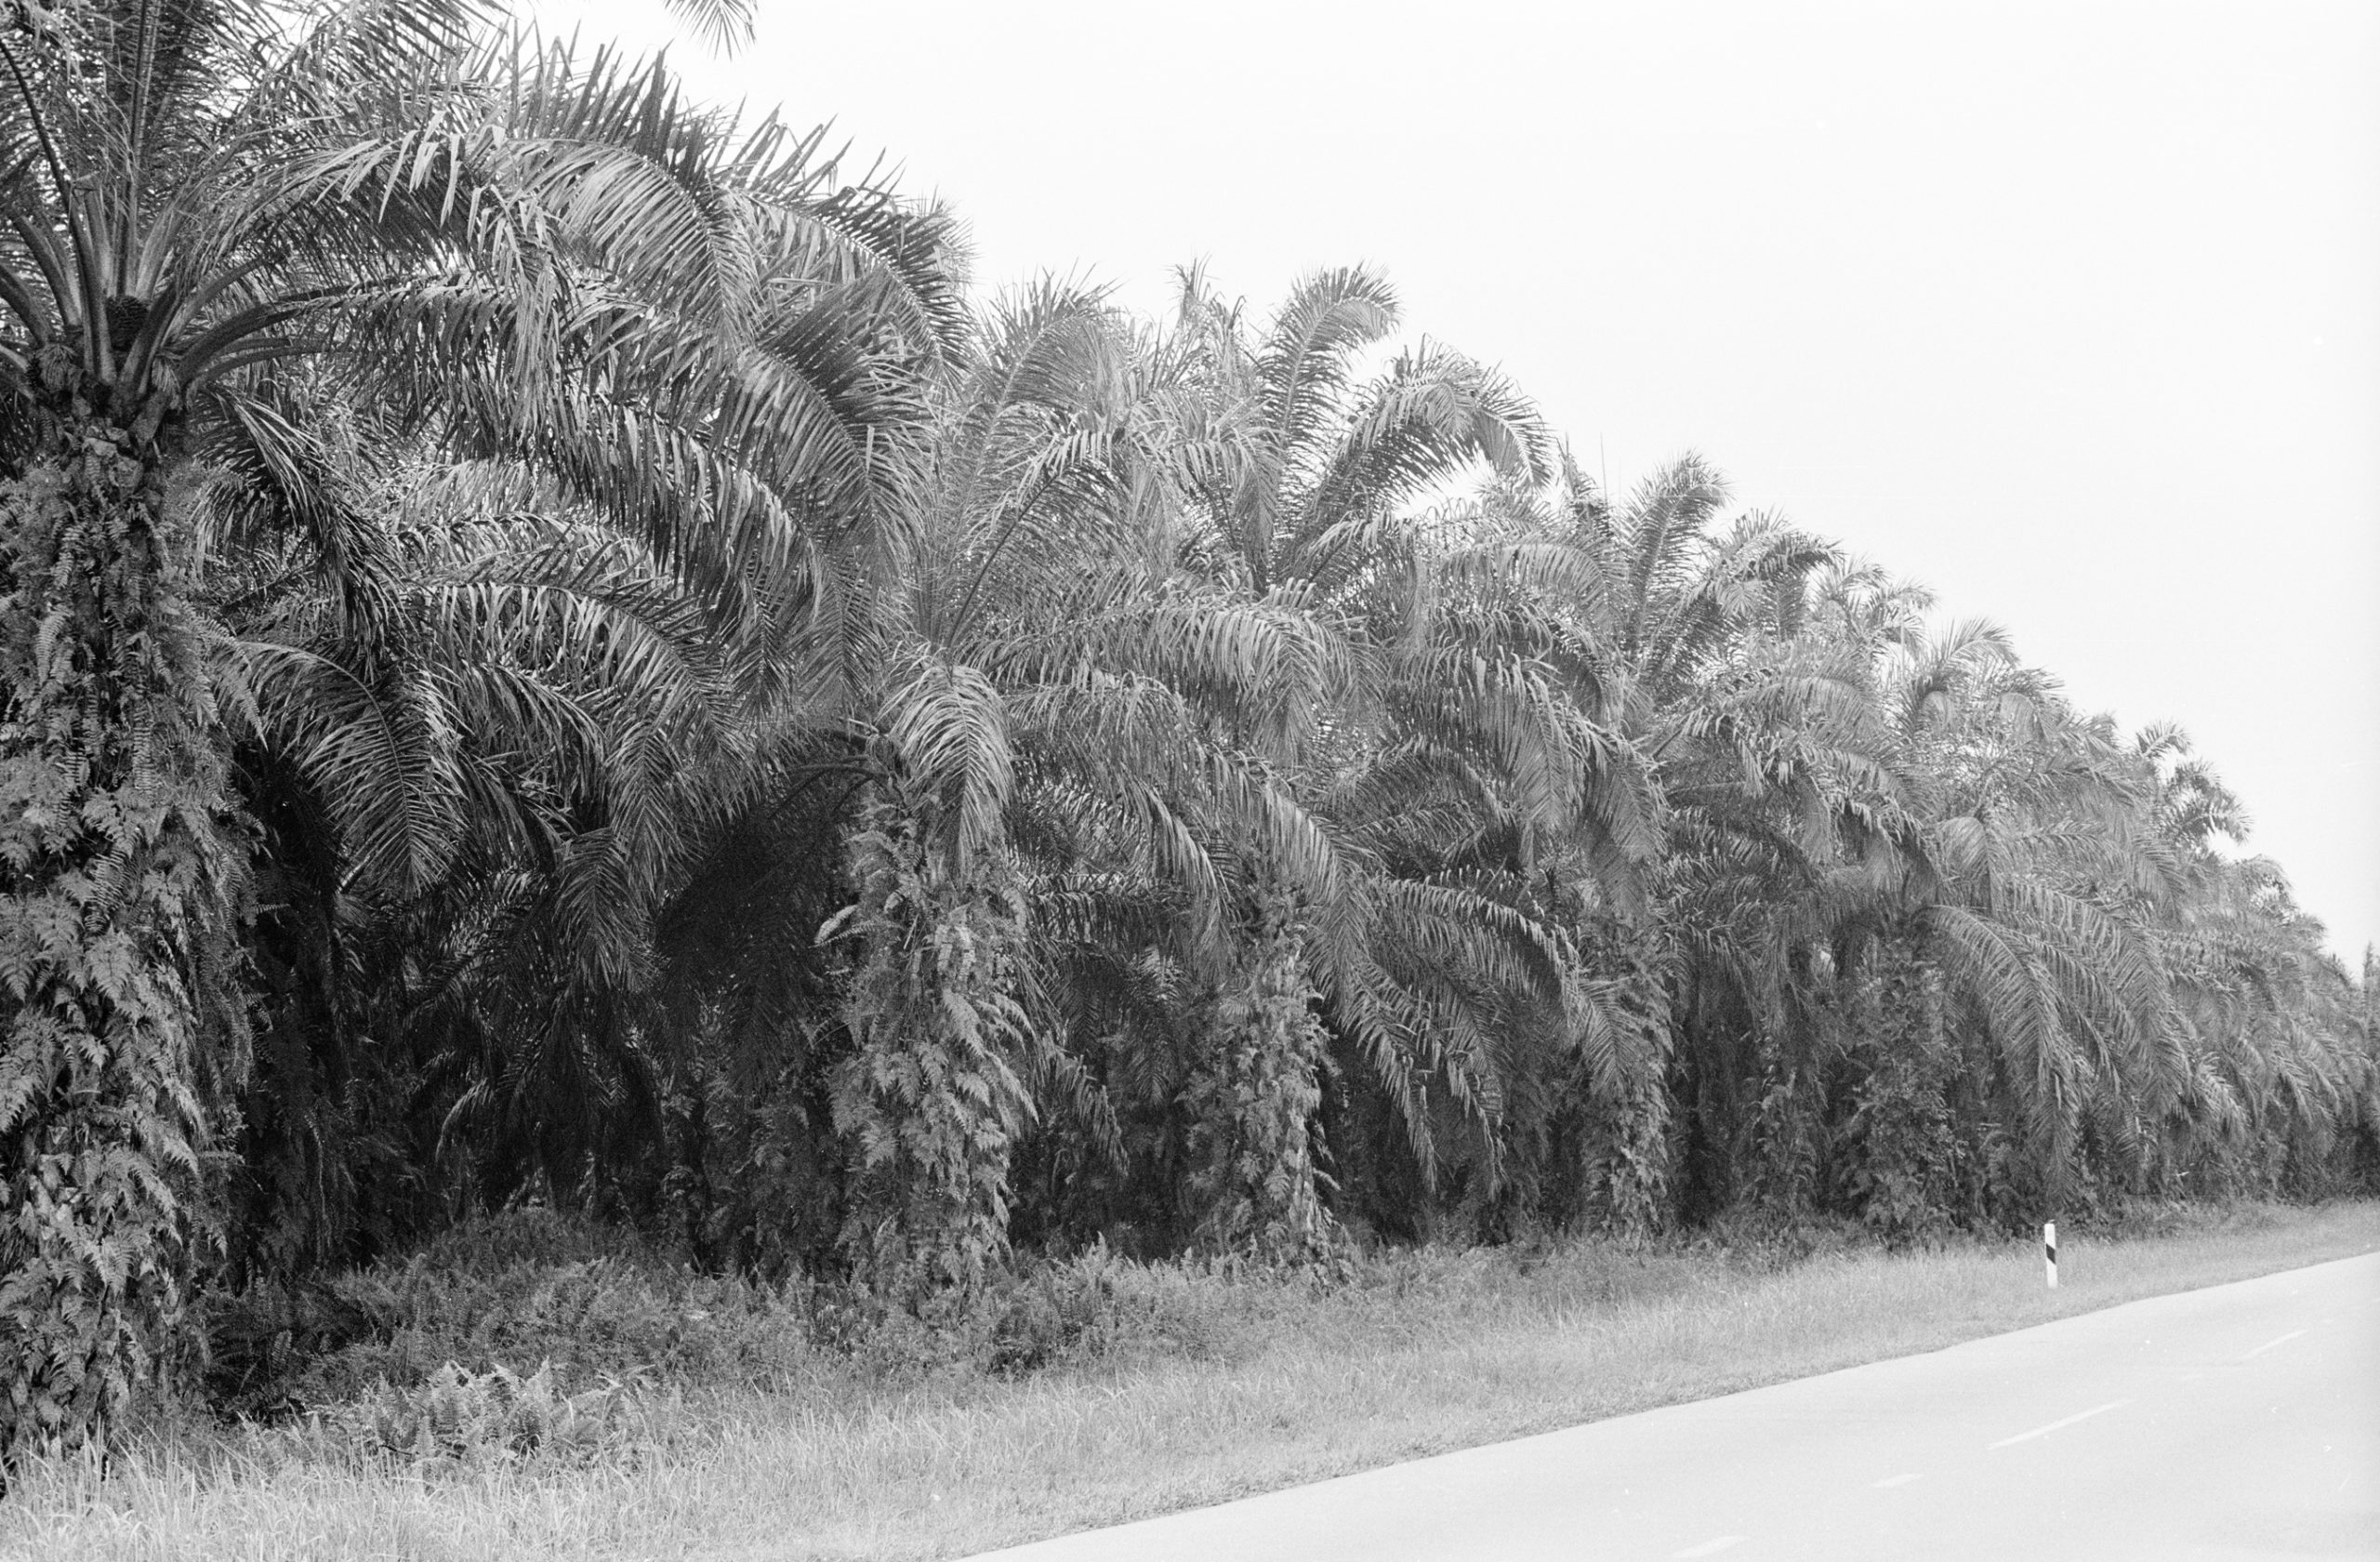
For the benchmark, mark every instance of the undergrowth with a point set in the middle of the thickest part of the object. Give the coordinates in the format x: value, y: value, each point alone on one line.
x: 528, y: 1291
x: 535, y: 1335
x: 1087, y: 1391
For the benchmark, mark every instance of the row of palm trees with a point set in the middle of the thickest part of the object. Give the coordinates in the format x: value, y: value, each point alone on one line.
x: 552, y: 650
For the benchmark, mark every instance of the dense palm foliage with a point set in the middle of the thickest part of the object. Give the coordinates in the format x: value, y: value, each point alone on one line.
x: 551, y: 654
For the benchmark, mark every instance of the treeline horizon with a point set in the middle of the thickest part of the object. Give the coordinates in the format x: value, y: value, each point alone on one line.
x: 556, y: 653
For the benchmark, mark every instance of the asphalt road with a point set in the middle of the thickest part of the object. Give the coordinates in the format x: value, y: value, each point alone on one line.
x: 2242, y: 1420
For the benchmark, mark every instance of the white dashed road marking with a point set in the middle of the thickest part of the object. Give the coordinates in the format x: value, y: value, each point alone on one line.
x: 2269, y: 1343
x: 1894, y: 1480
x: 1711, y: 1548
x: 2060, y: 1425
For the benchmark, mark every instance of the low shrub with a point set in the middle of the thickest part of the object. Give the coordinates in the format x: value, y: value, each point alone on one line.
x: 463, y: 1416
x: 1097, y: 1304
x: 527, y: 1285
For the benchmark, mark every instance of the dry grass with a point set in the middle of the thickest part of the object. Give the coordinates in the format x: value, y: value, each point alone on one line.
x: 1422, y: 1354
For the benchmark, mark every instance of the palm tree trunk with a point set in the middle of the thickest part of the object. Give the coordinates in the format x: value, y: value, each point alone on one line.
x: 1904, y: 1149
x: 116, y: 951
x: 1632, y: 1168
x: 932, y: 1101
x: 1253, y: 1096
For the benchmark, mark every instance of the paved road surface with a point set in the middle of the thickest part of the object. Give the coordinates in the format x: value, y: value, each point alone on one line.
x: 2242, y: 1421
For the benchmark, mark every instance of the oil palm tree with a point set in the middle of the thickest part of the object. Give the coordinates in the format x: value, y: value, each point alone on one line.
x: 1472, y: 718
x: 1045, y: 726
x: 1681, y: 637
x: 522, y: 254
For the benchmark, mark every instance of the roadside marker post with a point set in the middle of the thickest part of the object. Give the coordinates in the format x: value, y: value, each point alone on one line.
x: 2049, y: 1250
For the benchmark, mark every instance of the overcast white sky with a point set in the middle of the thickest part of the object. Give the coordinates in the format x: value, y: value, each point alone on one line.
x: 2070, y: 311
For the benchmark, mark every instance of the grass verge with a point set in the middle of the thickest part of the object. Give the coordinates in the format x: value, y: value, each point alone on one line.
x: 1419, y: 1354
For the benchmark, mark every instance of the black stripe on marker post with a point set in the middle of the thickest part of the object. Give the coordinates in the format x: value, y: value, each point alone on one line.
x: 2049, y: 1250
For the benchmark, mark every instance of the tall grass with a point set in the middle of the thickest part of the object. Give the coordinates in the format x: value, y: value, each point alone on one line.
x: 1201, y: 1387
